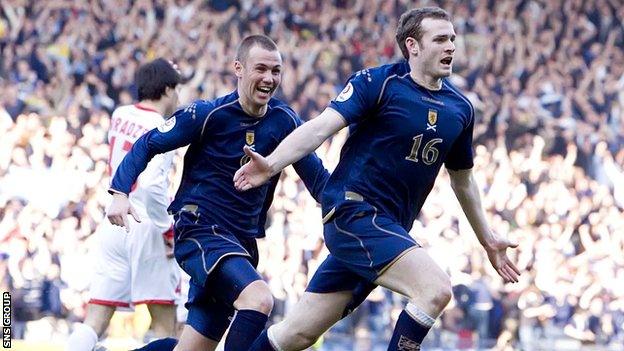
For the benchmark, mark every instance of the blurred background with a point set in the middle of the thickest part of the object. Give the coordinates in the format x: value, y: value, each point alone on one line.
x: 547, y: 82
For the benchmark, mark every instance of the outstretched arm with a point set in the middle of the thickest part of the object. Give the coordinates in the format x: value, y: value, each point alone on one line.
x: 182, y: 128
x: 302, y: 141
x: 467, y: 192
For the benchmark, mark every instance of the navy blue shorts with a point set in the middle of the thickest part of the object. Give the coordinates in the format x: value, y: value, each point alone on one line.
x: 363, y: 243
x: 220, y: 265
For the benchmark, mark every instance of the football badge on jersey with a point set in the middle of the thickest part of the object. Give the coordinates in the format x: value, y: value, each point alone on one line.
x: 432, y: 119
x: 345, y: 94
x: 168, y: 125
x: 250, y: 137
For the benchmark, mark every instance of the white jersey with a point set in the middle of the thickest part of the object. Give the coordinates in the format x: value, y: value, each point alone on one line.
x: 149, y: 195
x: 133, y: 268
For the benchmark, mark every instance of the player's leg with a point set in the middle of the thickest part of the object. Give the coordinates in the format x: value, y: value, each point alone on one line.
x: 85, y: 335
x: 428, y: 288
x: 163, y: 319
x: 108, y: 290
x: 248, y: 294
x: 377, y: 248
x: 191, y: 340
x: 206, y: 322
x: 308, y: 319
x: 155, y: 277
x: 333, y: 292
x: 223, y: 265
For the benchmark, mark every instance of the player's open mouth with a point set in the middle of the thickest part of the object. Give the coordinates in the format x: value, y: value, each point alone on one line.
x: 265, y: 90
x: 446, y: 60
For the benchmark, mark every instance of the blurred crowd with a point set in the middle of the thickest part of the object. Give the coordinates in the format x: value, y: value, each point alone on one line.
x: 547, y: 82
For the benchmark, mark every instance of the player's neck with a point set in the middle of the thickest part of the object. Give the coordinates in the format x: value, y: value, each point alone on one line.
x: 157, y: 106
x: 423, y: 79
x: 252, y: 109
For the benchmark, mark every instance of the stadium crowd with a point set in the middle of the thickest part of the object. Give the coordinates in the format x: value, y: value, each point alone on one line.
x: 547, y: 82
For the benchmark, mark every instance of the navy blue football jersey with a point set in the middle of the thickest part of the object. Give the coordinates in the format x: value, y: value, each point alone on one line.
x: 217, y: 131
x: 400, y: 135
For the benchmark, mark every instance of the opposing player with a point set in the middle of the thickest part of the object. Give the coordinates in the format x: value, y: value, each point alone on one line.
x: 216, y: 226
x: 132, y: 267
x: 406, y: 121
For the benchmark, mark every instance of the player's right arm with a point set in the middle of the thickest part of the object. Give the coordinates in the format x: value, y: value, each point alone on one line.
x: 302, y: 141
x: 355, y: 102
x: 184, y: 127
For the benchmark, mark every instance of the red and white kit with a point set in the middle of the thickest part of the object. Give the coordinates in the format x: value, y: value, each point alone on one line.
x: 133, y: 268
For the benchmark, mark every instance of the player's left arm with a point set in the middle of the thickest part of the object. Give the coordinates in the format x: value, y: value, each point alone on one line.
x: 467, y: 193
x: 459, y: 163
x: 185, y: 126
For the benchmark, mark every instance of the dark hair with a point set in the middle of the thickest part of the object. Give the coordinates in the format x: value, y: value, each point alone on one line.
x: 254, y: 40
x: 410, y: 24
x: 153, y: 78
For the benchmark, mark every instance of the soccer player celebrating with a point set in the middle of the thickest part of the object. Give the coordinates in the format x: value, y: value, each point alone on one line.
x: 406, y: 120
x: 133, y: 268
x: 216, y: 226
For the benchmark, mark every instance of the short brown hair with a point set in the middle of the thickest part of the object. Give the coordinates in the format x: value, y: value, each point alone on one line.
x: 254, y: 40
x: 410, y: 24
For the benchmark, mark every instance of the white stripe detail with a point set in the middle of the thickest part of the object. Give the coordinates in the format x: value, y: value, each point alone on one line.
x: 383, y: 86
x: 461, y: 96
x: 202, y: 250
x: 361, y: 243
x: 390, y: 232
x: 230, y: 240
x: 201, y: 135
x: 419, y: 315
x: 218, y: 260
x: 224, y: 256
x: 272, y: 339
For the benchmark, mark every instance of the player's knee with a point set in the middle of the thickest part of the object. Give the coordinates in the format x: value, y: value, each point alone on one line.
x: 293, y: 336
x: 256, y: 296
x: 303, y: 339
x: 442, y: 293
x: 97, y: 321
x: 437, y: 293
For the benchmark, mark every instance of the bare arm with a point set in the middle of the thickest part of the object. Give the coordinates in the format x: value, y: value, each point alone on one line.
x: 305, y: 139
x: 302, y: 141
x: 467, y: 193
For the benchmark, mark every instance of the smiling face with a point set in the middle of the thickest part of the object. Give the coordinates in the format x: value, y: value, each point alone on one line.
x: 259, y: 76
x: 433, y: 54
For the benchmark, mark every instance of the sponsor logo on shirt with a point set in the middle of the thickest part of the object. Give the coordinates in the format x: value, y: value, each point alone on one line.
x: 434, y: 101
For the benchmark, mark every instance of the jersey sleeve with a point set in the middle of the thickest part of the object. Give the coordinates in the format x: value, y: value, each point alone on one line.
x: 360, y: 96
x: 185, y: 126
x: 313, y: 174
x: 267, y: 204
x: 460, y: 156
